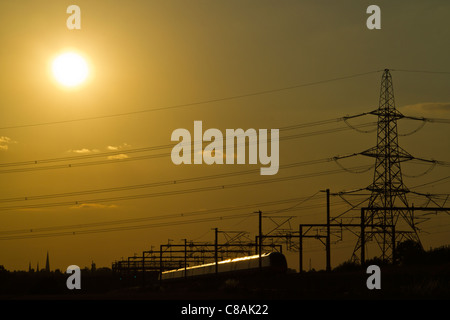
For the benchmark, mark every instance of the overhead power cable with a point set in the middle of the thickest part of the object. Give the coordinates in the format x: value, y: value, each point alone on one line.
x: 56, y: 230
x: 434, y: 182
x: 421, y: 71
x: 435, y: 120
x: 158, y: 184
x: 160, y: 147
x: 175, y: 192
x: 184, y: 105
x: 421, y: 125
x: 152, y: 218
x: 34, y: 164
x: 126, y: 228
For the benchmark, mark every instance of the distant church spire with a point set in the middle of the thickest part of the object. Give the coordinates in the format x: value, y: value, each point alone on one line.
x: 47, y: 264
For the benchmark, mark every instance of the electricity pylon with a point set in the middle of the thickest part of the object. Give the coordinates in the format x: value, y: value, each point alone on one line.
x: 387, y: 189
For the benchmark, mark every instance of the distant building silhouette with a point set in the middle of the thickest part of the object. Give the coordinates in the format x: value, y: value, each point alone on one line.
x: 47, y: 264
x: 37, y: 267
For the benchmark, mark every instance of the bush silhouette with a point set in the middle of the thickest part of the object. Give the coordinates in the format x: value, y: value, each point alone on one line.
x: 410, y: 252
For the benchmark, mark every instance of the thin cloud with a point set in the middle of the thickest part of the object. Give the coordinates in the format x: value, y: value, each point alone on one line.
x: 119, y: 147
x: 5, y: 139
x: 84, y: 151
x: 5, y: 142
x: 118, y: 156
x: 122, y: 146
x: 441, y: 109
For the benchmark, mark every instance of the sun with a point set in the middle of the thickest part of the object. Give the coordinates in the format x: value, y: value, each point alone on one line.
x: 70, y: 69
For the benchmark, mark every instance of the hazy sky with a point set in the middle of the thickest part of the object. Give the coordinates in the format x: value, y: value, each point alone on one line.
x: 151, y: 56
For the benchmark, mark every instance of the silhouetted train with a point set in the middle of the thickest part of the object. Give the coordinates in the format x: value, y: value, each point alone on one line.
x: 273, y: 262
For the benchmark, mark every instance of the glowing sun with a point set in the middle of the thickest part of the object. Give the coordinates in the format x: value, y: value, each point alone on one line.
x: 70, y: 69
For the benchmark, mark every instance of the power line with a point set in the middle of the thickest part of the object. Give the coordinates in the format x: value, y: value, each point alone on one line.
x: 160, y: 147
x: 158, y: 184
x: 432, y: 182
x: 8, y: 235
x: 167, y: 146
x: 184, y: 105
x: 125, y: 228
x: 176, y: 192
x: 85, y: 156
x: 297, y: 204
x: 435, y: 120
x: 168, y: 216
x: 158, y: 217
x: 421, y: 71
x: 165, y: 183
x: 15, y: 234
x: 122, y: 160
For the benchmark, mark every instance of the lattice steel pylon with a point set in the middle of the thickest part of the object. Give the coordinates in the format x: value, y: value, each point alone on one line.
x: 387, y: 188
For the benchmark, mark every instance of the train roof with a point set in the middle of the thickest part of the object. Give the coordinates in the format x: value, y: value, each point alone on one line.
x: 256, y: 256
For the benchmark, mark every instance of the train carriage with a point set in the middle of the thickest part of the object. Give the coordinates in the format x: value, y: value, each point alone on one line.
x: 273, y: 262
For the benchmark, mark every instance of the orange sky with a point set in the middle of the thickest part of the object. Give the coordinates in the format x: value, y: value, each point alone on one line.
x: 153, y: 55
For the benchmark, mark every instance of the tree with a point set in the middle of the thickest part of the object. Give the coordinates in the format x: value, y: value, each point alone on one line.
x: 410, y: 252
